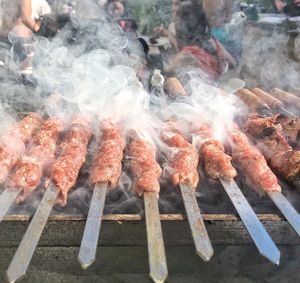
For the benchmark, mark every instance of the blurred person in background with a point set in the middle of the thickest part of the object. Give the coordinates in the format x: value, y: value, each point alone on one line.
x: 9, y: 14
x: 116, y: 9
x: 170, y: 32
x: 27, y: 23
x: 34, y: 18
x: 31, y: 13
x: 218, y: 14
x: 102, y: 6
x: 291, y: 8
x: 9, y: 17
x: 197, y: 47
x: 38, y: 17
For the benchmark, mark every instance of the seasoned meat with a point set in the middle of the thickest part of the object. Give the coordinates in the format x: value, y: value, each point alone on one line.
x: 217, y: 163
x: 291, y: 129
x: 143, y: 166
x: 29, y: 171
x: 107, y: 166
x: 28, y: 126
x: 251, y: 162
x: 174, y: 88
x: 253, y: 102
x: 8, y: 159
x: 73, y: 149
x: 12, y: 145
x: 274, y: 146
x: 182, y: 161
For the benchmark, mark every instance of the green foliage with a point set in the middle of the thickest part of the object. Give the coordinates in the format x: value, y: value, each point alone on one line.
x: 266, y: 6
x: 150, y: 13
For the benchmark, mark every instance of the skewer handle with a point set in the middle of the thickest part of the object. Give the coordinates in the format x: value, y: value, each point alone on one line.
x: 7, y: 198
x: 286, y: 209
x: 284, y: 111
x: 260, y: 236
x: 88, y: 247
x: 25, y: 251
x: 156, y: 249
x: 201, y: 239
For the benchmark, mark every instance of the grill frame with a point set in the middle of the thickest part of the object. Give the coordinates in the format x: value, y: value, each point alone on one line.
x: 130, y: 230
x: 122, y: 254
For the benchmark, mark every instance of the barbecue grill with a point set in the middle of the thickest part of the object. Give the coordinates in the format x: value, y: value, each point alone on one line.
x: 123, y: 251
x: 126, y: 234
x: 139, y: 233
x: 220, y: 227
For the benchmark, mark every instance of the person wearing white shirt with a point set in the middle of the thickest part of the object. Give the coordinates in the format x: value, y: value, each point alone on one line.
x: 31, y: 12
x: 29, y: 22
x: 170, y: 32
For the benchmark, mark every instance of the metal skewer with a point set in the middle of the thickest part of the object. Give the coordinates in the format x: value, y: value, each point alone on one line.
x: 261, y: 238
x: 88, y: 247
x: 289, y: 212
x: 156, y: 249
x: 7, y: 198
x: 24, y: 253
x: 284, y: 111
x: 201, y: 239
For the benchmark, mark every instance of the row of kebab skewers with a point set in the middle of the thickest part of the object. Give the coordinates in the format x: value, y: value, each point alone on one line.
x: 54, y: 150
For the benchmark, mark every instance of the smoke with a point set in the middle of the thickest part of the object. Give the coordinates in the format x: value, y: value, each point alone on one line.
x: 266, y: 62
x: 7, y: 119
x: 206, y: 103
x: 97, y: 69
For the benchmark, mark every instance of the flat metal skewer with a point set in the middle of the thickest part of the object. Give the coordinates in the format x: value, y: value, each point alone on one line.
x: 260, y: 236
x: 201, y: 239
x: 284, y: 111
x: 156, y: 249
x: 25, y: 251
x: 289, y: 212
x: 88, y: 247
x: 7, y: 198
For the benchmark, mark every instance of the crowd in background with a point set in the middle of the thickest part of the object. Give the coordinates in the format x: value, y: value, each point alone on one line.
x: 197, y: 29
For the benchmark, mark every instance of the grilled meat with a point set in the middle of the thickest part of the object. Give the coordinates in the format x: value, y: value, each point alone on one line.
x: 174, y: 88
x: 251, y: 162
x: 13, y: 144
x: 107, y: 166
x: 217, y: 163
x: 29, y: 171
x: 143, y: 166
x: 73, y: 150
x: 183, y: 158
x: 291, y: 129
x: 271, y: 101
x: 287, y: 98
x: 274, y: 146
x: 253, y: 102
